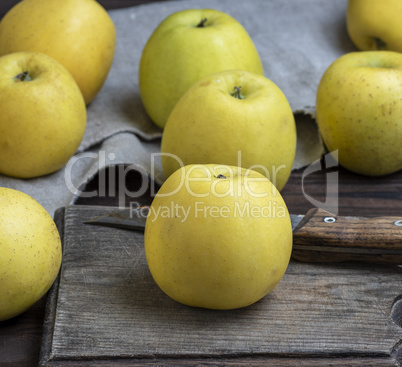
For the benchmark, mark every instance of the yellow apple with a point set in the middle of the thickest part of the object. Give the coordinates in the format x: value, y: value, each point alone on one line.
x: 30, y: 252
x: 43, y: 115
x: 359, y: 111
x: 235, y: 118
x: 185, y: 47
x: 79, y: 34
x: 217, y: 236
x: 375, y: 25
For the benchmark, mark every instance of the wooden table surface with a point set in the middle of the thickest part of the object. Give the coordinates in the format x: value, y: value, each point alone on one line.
x: 20, y: 337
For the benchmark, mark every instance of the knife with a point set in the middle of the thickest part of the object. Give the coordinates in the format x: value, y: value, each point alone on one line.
x: 318, y: 236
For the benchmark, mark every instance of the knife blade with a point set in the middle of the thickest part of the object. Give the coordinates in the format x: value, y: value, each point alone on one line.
x: 318, y: 236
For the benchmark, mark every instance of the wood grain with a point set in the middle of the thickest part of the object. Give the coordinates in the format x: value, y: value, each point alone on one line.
x: 109, y: 309
x: 256, y: 361
x: 322, y: 236
x: 20, y: 338
x: 357, y: 195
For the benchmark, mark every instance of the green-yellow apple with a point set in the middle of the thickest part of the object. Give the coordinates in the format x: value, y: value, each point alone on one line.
x: 30, y: 252
x: 185, y: 47
x: 43, y: 115
x: 79, y: 34
x: 359, y: 111
x: 217, y: 236
x: 375, y: 25
x: 236, y: 118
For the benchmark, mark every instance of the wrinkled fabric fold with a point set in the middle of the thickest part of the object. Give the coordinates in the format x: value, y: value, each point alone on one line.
x: 296, y: 40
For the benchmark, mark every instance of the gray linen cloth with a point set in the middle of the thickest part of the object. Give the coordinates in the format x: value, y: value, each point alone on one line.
x: 296, y: 39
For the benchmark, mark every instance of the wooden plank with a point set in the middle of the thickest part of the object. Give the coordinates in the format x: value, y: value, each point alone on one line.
x: 108, y: 308
x: 340, y: 361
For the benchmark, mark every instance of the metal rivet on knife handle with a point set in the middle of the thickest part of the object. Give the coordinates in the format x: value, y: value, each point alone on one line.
x: 377, y: 240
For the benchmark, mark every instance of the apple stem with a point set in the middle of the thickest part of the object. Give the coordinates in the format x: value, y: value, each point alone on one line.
x: 379, y: 43
x: 221, y: 176
x: 201, y: 24
x: 22, y: 77
x: 237, y: 93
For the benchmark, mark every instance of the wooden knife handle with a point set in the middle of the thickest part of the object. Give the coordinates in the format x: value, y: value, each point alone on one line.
x: 323, y: 237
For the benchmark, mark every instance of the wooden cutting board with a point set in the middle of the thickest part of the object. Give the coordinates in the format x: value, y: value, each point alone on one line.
x: 105, y: 309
